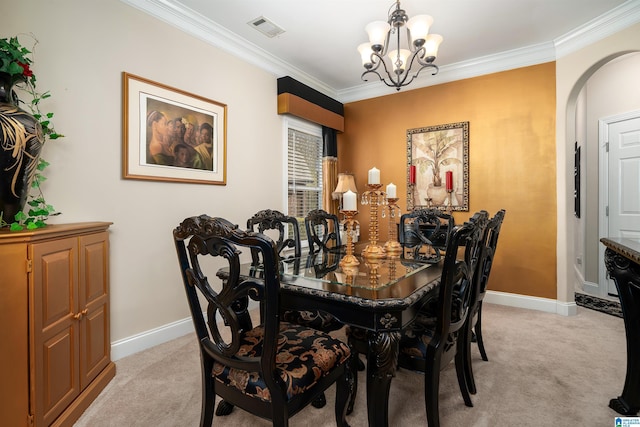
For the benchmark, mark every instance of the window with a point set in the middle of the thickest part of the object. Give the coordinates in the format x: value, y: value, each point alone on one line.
x: 304, y: 170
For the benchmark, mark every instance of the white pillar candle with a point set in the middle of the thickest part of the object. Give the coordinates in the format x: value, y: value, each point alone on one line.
x: 374, y: 176
x: 349, y: 201
x: 391, y: 191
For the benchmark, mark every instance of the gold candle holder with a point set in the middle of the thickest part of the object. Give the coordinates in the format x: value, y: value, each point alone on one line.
x: 349, y: 260
x: 371, y: 197
x: 393, y: 247
x: 449, y: 208
x: 374, y: 277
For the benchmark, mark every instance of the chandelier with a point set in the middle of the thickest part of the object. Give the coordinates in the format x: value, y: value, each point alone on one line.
x: 407, y: 57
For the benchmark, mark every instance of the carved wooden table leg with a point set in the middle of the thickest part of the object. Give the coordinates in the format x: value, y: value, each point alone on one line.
x: 382, y: 361
x: 626, y: 275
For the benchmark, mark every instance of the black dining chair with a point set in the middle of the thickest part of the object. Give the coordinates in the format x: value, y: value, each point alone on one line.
x: 272, y: 370
x: 287, y: 237
x: 431, y: 343
x: 323, y: 231
x: 286, y: 226
x: 490, y: 243
x: 424, y: 234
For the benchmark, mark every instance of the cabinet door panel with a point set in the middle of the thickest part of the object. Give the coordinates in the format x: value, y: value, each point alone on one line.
x: 59, y: 368
x: 95, y: 346
x: 54, y: 301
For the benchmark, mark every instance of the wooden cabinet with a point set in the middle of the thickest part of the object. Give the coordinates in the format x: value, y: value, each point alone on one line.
x: 54, y: 323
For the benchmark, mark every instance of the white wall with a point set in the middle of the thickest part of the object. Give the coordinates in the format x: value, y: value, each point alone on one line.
x: 84, y: 46
x: 572, y: 72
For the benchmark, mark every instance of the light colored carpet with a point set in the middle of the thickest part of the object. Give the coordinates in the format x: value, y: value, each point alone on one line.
x: 544, y: 369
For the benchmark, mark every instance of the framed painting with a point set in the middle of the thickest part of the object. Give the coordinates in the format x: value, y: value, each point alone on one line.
x: 172, y: 135
x: 438, y: 167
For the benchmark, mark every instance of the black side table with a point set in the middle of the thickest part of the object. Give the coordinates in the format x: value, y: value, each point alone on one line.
x: 622, y: 259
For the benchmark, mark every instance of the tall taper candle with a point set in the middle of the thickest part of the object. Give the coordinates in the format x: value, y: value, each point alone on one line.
x: 449, y: 180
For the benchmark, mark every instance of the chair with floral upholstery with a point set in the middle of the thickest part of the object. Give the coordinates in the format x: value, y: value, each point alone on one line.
x: 272, y: 370
x: 431, y: 343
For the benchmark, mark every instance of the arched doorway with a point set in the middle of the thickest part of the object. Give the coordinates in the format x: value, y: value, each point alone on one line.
x: 572, y: 72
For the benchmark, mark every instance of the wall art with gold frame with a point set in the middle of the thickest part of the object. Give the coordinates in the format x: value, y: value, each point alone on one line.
x: 433, y: 153
x: 172, y: 135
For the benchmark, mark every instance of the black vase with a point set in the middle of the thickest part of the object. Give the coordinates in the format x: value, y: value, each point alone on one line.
x: 21, y: 141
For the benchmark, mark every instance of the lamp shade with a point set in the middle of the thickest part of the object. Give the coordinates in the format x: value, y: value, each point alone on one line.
x: 431, y: 46
x: 365, y: 53
x: 377, y: 32
x: 346, y: 182
x: 419, y: 28
x: 399, y: 61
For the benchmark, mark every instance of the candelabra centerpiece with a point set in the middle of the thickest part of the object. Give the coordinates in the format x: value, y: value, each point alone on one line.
x: 373, y: 197
x: 349, y: 260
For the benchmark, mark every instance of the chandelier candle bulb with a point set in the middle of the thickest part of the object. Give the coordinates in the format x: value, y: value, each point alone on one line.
x: 391, y: 191
x: 349, y: 201
x: 374, y: 176
x: 449, y: 180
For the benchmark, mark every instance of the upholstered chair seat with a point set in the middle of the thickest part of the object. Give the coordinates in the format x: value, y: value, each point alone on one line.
x: 310, y: 355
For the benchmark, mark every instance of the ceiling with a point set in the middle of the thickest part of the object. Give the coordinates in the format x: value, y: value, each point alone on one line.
x: 319, y: 44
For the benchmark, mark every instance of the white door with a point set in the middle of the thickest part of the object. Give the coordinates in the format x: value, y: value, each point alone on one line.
x: 622, y: 199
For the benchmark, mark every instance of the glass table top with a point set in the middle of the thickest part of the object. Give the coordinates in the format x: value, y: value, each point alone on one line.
x: 392, y: 278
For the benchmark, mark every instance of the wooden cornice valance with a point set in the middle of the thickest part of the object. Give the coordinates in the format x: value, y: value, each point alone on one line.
x: 300, y: 100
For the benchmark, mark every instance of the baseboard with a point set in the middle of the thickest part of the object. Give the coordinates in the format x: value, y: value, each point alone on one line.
x: 534, y: 303
x: 142, y: 341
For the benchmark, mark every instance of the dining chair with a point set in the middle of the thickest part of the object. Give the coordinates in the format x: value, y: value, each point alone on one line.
x: 490, y: 243
x: 288, y: 236
x: 323, y: 231
x: 272, y: 370
x: 431, y: 343
x: 424, y: 234
x: 288, y: 231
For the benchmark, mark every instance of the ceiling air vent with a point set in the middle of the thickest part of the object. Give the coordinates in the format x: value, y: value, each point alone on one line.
x: 266, y: 27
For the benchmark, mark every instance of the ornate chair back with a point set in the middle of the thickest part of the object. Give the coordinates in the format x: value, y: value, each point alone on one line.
x: 323, y: 231
x: 428, y: 347
x: 424, y: 234
x: 288, y: 232
x: 240, y: 363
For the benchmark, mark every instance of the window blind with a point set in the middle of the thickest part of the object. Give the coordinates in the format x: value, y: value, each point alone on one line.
x: 304, y: 172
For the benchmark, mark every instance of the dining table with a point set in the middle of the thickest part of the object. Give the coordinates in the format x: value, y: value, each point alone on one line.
x: 622, y: 260
x: 377, y: 297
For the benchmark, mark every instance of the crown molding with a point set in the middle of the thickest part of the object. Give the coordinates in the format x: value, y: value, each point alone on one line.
x: 195, y: 24
x: 615, y: 20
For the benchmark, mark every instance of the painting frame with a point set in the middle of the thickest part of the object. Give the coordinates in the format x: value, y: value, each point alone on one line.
x: 432, y: 151
x: 150, y: 110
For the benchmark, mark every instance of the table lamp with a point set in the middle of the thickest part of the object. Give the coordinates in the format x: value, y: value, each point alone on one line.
x: 346, y: 182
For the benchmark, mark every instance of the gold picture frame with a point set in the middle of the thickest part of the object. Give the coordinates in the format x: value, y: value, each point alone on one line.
x: 433, y: 153
x: 172, y: 135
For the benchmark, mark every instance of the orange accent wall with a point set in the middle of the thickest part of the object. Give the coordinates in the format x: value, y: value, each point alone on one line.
x: 512, y: 161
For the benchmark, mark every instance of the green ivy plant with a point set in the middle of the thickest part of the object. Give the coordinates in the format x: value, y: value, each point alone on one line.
x: 15, y: 60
